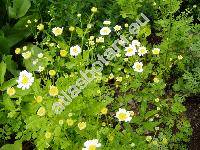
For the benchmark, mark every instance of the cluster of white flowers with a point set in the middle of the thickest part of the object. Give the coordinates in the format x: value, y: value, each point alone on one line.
x: 134, y: 47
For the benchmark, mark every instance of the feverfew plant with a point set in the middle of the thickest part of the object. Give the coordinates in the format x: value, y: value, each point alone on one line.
x: 87, y: 90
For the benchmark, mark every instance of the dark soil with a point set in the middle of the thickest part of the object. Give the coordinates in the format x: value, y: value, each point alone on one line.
x: 193, y: 114
x: 28, y: 145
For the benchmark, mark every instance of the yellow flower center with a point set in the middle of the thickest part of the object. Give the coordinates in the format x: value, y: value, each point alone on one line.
x: 138, y: 66
x: 129, y: 50
x: 122, y: 116
x: 75, y: 50
x: 24, y: 80
x: 92, y: 147
x: 142, y: 50
x: 58, y: 31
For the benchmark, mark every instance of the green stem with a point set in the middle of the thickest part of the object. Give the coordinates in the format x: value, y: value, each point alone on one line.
x: 70, y: 39
x: 86, y: 31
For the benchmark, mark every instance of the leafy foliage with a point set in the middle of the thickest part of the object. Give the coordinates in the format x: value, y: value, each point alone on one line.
x: 156, y: 110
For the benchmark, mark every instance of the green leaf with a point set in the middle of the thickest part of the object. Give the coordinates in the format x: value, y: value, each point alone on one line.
x: 8, y: 104
x: 11, y: 65
x: 143, y: 107
x: 8, y: 83
x: 2, y: 71
x: 19, y: 9
x: 150, y: 125
x: 150, y: 113
x: 177, y: 107
x: 16, y: 146
x: 79, y: 31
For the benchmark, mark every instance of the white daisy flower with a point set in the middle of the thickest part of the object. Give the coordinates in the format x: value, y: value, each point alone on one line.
x: 136, y: 43
x: 117, y: 28
x: 123, y: 115
x: 138, y: 66
x: 75, y: 50
x: 105, y: 31
x: 25, y: 80
x: 130, y: 50
x: 142, y: 50
x: 26, y: 55
x: 57, y: 31
x: 107, y: 22
x: 91, y: 144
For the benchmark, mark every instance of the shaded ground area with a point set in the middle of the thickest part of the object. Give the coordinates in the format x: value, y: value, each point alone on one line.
x: 193, y: 113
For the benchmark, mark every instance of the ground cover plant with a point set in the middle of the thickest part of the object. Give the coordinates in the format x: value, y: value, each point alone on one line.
x: 91, y: 75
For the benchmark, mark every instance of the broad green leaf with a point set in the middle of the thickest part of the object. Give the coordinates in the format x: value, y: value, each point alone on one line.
x: 19, y: 9
x: 16, y: 146
x: 2, y: 71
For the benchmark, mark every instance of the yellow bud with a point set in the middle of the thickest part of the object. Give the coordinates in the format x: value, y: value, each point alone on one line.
x: 71, y: 29
x: 119, y: 79
x: 155, y: 143
x: 39, y: 99
x: 11, y: 91
x: 40, y: 27
x: 164, y: 141
x: 53, y: 91
x: 157, y: 100
x: 70, y: 122
x: 110, y: 138
x: 63, y: 53
x: 104, y: 111
x: 17, y: 51
x: 48, y: 135
x: 103, y: 124
x: 41, y: 111
x: 52, y: 73
x: 126, y: 25
x: 94, y: 9
x: 156, y: 80
x: 61, y: 122
x: 82, y: 125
